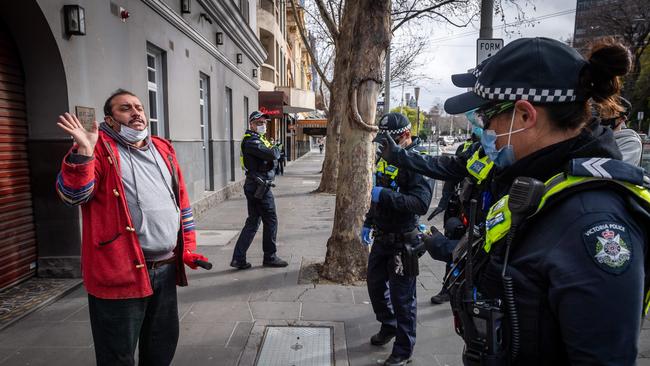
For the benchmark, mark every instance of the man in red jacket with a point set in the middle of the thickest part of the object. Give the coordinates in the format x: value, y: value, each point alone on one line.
x: 138, y: 231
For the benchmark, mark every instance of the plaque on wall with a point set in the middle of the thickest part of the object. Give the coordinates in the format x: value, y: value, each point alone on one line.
x: 86, y: 116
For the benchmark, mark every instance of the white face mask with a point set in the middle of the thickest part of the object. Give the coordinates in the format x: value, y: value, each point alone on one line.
x: 132, y: 135
x: 261, y: 129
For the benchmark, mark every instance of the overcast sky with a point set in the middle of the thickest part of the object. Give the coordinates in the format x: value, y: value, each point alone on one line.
x: 451, y: 50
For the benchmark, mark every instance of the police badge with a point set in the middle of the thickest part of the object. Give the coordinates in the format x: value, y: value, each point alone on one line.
x: 609, y: 246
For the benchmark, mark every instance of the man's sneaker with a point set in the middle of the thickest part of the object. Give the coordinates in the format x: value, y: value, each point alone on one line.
x: 396, y: 361
x: 274, y: 262
x: 440, y: 298
x: 240, y: 264
x: 382, y: 338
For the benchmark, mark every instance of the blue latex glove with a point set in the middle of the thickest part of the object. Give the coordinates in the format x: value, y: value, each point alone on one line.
x: 375, y: 194
x: 365, y: 235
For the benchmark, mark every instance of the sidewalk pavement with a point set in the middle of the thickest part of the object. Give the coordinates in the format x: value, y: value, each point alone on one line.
x: 223, y: 311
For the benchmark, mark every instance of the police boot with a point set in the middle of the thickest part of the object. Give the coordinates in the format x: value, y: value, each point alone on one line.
x: 441, y: 298
x: 239, y: 264
x: 397, y: 360
x: 384, y: 336
x: 275, y: 261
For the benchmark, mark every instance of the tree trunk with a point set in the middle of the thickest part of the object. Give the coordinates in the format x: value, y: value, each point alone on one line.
x: 330, y: 163
x: 364, y: 38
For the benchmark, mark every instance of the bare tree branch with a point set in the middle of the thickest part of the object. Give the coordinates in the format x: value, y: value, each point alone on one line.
x: 308, y: 45
x: 329, y: 22
x: 412, y: 14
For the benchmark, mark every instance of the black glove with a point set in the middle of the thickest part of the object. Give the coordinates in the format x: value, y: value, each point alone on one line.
x: 435, y: 212
x: 388, y: 149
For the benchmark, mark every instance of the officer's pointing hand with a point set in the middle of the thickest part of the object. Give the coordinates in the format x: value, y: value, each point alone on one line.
x: 388, y: 149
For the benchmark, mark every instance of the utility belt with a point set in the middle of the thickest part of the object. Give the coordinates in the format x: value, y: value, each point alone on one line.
x: 263, y: 185
x: 408, y: 248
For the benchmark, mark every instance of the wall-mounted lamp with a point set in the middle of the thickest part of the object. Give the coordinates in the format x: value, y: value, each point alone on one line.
x: 75, y: 20
x: 219, y: 38
x: 254, y: 73
x: 239, y: 58
x: 206, y: 17
x: 185, y: 6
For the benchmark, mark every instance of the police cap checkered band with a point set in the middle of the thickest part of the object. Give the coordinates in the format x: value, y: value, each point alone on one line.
x: 394, y: 124
x: 257, y: 115
x: 539, y: 70
x: 529, y: 94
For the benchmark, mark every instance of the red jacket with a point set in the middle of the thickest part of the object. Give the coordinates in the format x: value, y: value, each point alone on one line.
x: 112, y: 262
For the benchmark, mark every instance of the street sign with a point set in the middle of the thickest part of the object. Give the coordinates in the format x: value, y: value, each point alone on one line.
x: 487, y: 47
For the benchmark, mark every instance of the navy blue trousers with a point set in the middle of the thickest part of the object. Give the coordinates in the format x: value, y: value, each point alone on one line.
x: 392, y: 297
x: 118, y: 325
x: 258, y: 210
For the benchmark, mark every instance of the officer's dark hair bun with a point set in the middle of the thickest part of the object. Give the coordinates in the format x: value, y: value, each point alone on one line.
x: 608, y: 59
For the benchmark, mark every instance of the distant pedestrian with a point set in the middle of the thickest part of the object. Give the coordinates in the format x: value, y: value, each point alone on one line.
x: 321, y: 145
x: 628, y: 141
x: 138, y: 231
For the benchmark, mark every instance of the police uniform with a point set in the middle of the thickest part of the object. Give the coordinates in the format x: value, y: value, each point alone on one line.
x: 258, y: 159
x: 402, y: 197
x: 574, y: 289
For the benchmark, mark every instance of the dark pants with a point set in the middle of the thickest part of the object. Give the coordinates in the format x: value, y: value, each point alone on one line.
x: 118, y: 325
x: 392, y: 297
x: 258, y: 210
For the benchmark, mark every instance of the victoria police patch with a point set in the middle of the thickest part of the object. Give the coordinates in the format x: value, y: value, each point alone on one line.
x: 609, y: 246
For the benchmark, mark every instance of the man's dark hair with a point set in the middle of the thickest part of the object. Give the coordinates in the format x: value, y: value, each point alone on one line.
x: 108, y: 108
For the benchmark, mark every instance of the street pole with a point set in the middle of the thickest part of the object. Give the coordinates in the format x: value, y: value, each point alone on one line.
x: 387, y: 82
x: 417, y: 107
x: 487, y: 11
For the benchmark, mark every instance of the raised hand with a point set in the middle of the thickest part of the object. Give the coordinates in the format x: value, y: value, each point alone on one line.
x: 85, y: 140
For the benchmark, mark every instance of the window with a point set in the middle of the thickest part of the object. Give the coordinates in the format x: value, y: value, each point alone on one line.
x: 244, y: 10
x: 246, y: 112
x: 204, y: 110
x: 155, y: 87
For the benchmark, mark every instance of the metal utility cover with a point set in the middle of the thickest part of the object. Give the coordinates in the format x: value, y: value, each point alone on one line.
x: 296, y: 346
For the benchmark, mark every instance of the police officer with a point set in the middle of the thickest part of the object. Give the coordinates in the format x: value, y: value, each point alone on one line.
x: 398, y: 198
x: 258, y: 160
x: 567, y: 276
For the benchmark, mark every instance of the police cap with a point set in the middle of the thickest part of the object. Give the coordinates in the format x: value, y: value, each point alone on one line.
x: 394, y: 124
x: 256, y: 115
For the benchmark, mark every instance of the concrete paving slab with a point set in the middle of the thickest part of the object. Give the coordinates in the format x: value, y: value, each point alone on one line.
x: 240, y: 335
x: 275, y: 310
x: 218, y: 238
x: 213, y: 355
x: 205, y: 334
x: 49, y: 356
x: 212, y: 311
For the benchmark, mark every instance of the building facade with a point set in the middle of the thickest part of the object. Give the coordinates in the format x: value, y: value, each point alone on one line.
x: 286, y: 75
x: 194, y: 65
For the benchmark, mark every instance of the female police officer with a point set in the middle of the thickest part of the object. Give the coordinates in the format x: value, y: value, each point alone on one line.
x: 576, y: 287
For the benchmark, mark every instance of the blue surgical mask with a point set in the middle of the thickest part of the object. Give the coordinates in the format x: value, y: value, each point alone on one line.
x: 261, y: 129
x: 478, y: 131
x: 131, y: 135
x: 504, y: 156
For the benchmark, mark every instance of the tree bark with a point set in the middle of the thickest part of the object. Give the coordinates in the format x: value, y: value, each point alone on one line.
x: 330, y: 163
x: 363, y: 40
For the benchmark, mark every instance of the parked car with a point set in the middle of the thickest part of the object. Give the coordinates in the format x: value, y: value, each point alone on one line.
x: 449, y: 140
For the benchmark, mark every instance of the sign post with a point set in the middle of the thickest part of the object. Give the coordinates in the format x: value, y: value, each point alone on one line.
x: 487, y: 47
